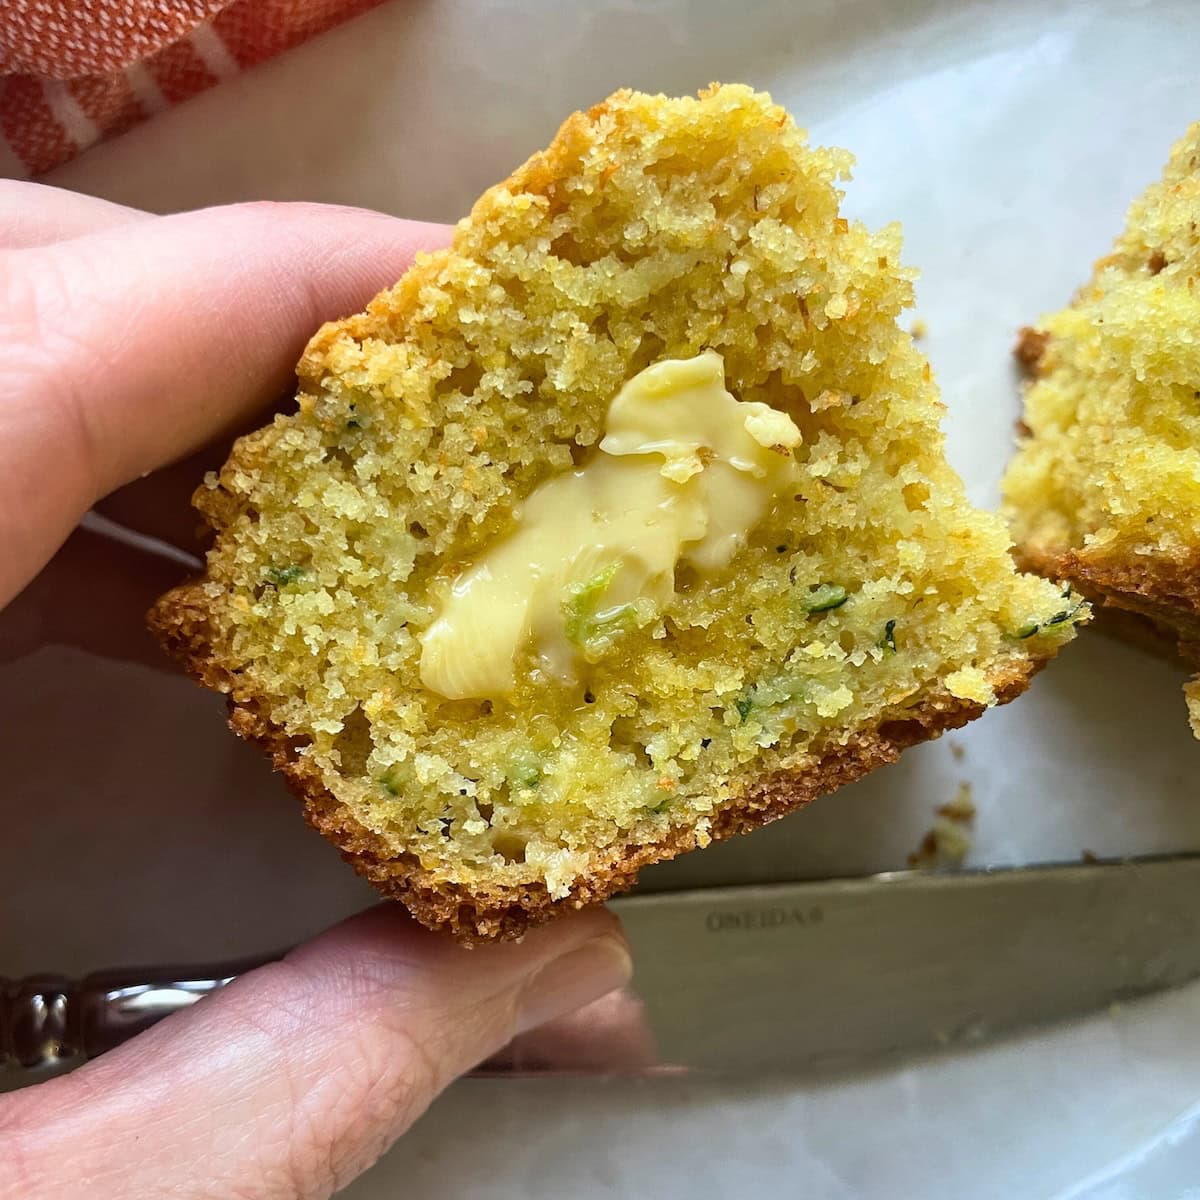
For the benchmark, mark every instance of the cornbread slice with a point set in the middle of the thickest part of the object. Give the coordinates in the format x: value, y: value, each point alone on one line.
x: 1105, y: 488
x: 866, y: 607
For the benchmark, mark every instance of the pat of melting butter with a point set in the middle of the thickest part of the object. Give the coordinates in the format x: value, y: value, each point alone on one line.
x: 683, y: 474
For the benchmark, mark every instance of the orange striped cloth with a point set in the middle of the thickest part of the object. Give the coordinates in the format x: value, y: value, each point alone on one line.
x: 73, y: 72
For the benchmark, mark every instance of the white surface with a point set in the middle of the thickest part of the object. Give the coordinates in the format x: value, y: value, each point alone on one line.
x: 1008, y: 138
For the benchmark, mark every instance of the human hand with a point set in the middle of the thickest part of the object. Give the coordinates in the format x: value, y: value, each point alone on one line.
x: 127, y: 343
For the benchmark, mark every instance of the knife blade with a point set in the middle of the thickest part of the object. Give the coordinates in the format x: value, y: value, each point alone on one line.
x: 784, y: 978
x: 845, y: 972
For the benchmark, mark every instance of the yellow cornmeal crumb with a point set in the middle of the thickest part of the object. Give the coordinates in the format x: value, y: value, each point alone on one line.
x: 962, y: 807
x: 970, y: 683
x: 1110, y: 468
x: 951, y: 843
x: 1114, y: 448
x: 659, y: 228
x: 1191, y: 692
x: 949, y: 839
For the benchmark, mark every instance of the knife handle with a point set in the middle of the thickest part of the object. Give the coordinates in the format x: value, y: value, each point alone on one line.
x: 50, y: 1020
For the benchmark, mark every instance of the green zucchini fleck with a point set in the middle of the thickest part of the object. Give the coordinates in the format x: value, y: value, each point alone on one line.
x: 586, y: 624
x: 1062, y: 617
x: 282, y: 577
x: 1067, y: 614
x: 887, y: 643
x: 824, y: 597
x: 524, y: 769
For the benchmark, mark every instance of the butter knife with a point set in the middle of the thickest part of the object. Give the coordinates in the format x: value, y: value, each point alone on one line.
x: 795, y: 977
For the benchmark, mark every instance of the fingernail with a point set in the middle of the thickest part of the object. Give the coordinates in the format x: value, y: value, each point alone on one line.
x: 577, y: 978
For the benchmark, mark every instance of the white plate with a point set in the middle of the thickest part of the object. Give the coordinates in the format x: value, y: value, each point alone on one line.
x: 1008, y: 138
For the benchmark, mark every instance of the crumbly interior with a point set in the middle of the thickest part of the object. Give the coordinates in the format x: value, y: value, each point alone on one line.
x: 652, y: 228
x: 1106, y: 484
x: 1112, y: 459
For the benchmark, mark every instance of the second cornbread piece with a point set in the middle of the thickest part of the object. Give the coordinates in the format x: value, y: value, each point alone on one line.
x: 620, y: 526
x: 1105, y: 490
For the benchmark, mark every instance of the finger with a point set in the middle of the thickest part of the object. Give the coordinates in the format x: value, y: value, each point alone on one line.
x: 160, y: 506
x: 34, y: 214
x: 295, y: 1078
x: 135, y: 346
x: 92, y: 594
x: 611, y: 1034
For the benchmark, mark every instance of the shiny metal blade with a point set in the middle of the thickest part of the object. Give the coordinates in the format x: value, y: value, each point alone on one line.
x: 846, y: 972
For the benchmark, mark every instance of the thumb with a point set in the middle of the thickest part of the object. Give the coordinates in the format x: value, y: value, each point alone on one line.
x: 296, y: 1077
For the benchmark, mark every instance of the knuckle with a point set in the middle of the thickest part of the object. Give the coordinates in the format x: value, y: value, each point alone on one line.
x: 398, y: 1094
x: 330, y: 1125
x: 383, y: 1085
x: 46, y: 359
x: 34, y: 308
x: 36, y: 331
x: 373, y: 1065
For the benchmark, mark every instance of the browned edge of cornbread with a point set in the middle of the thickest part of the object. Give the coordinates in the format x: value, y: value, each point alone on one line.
x: 1149, y: 601
x: 481, y: 914
x: 1152, y: 603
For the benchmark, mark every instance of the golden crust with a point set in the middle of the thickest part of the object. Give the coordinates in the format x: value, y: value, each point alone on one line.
x: 482, y: 914
x: 1152, y: 602
x: 1031, y: 345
